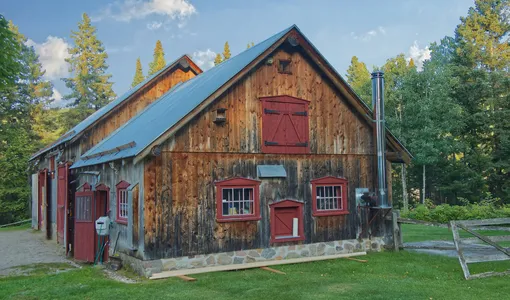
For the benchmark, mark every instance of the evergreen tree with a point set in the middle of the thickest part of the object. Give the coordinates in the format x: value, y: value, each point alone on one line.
x: 17, y: 137
x: 89, y: 83
x: 226, y: 51
x: 138, y: 74
x: 358, y: 78
x: 158, y: 62
x: 217, y: 59
x: 482, y: 62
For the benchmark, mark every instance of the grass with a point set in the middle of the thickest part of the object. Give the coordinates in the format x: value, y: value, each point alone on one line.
x: 387, y: 275
x: 19, y: 227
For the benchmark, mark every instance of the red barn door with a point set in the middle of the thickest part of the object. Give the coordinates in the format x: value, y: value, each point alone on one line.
x: 84, y: 231
x: 61, y: 201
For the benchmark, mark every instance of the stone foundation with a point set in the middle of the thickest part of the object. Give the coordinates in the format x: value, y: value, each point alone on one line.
x: 147, y: 268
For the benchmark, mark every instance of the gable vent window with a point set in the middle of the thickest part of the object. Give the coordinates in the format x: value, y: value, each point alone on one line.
x: 285, y: 125
x: 284, y: 66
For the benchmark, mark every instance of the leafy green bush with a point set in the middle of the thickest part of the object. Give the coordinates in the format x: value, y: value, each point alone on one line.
x: 444, y: 213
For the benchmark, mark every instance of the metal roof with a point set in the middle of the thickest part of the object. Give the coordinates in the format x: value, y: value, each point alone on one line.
x: 145, y: 128
x: 162, y: 114
x: 271, y: 171
x: 103, y: 111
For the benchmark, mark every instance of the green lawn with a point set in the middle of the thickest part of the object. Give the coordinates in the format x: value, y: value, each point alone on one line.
x: 387, y: 275
x: 20, y: 227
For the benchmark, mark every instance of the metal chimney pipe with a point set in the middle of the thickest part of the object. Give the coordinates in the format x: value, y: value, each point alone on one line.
x: 378, y: 107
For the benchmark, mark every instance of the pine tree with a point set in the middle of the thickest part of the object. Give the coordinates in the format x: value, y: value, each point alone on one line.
x: 482, y: 59
x: 218, y: 59
x: 358, y: 78
x: 17, y: 137
x: 89, y: 83
x: 226, y: 51
x: 138, y: 74
x: 158, y: 62
x: 411, y: 63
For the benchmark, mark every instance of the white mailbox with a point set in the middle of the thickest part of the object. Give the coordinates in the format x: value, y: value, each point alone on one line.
x: 103, y: 226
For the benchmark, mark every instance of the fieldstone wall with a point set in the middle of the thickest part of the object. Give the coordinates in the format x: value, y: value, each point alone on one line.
x: 147, y: 268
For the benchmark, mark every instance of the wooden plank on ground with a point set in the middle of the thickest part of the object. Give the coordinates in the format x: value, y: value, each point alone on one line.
x: 273, y: 270
x: 489, y: 274
x: 358, y: 260
x: 259, y: 264
x: 186, y: 278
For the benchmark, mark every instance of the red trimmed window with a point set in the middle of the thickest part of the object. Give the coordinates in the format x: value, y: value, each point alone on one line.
x: 285, y: 125
x: 122, y: 202
x: 237, y: 199
x: 329, y: 196
x: 287, y: 221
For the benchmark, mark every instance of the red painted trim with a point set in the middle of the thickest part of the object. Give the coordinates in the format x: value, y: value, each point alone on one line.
x: 329, y: 181
x: 102, y: 187
x: 237, y: 182
x: 122, y: 185
x: 301, y: 228
x: 285, y: 99
x: 299, y: 123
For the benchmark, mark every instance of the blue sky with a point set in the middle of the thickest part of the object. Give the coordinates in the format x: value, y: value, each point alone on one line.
x: 370, y: 29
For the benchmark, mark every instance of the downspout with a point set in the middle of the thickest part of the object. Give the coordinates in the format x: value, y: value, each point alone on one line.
x: 380, y: 127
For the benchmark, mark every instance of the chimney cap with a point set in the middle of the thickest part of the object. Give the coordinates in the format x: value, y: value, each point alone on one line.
x: 378, y: 74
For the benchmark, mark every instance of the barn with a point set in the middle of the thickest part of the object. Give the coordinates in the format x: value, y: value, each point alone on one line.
x: 269, y: 155
x: 53, y: 185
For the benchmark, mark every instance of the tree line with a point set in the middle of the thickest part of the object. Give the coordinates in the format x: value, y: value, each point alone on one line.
x: 454, y: 114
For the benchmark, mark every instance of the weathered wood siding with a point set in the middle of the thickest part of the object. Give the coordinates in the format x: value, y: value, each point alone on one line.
x: 180, y: 209
x: 131, y: 108
x: 334, y: 126
x: 179, y: 199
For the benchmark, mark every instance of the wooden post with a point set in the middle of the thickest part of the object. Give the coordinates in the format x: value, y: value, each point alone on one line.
x: 456, y: 240
x: 396, y: 239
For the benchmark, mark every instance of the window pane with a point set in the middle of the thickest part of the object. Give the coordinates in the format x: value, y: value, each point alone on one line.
x: 237, y: 201
x: 329, y: 197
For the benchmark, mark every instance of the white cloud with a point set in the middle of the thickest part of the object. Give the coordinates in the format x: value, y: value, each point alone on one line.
x: 52, y: 54
x: 57, y: 99
x: 419, y: 55
x: 367, y: 36
x: 154, y: 25
x: 204, y: 59
x: 138, y: 9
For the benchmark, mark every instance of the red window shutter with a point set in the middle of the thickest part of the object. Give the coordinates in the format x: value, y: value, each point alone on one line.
x: 285, y: 126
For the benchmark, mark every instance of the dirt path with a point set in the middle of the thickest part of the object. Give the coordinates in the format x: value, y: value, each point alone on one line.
x: 24, y: 247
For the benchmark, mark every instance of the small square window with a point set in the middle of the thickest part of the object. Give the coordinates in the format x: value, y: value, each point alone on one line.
x: 329, y: 196
x: 284, y: 66
x: 237, y: 200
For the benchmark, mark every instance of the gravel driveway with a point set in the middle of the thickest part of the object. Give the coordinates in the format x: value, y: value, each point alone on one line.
x: 25, y: 247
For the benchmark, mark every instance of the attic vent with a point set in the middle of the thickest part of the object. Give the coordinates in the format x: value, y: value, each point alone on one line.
x: 284, y: 66
x: 220, y: 115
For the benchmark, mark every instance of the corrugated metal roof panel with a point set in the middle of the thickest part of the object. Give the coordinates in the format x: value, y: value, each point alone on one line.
x: 271, y: 171
x: 101, y: 112
x: 174, y: 105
